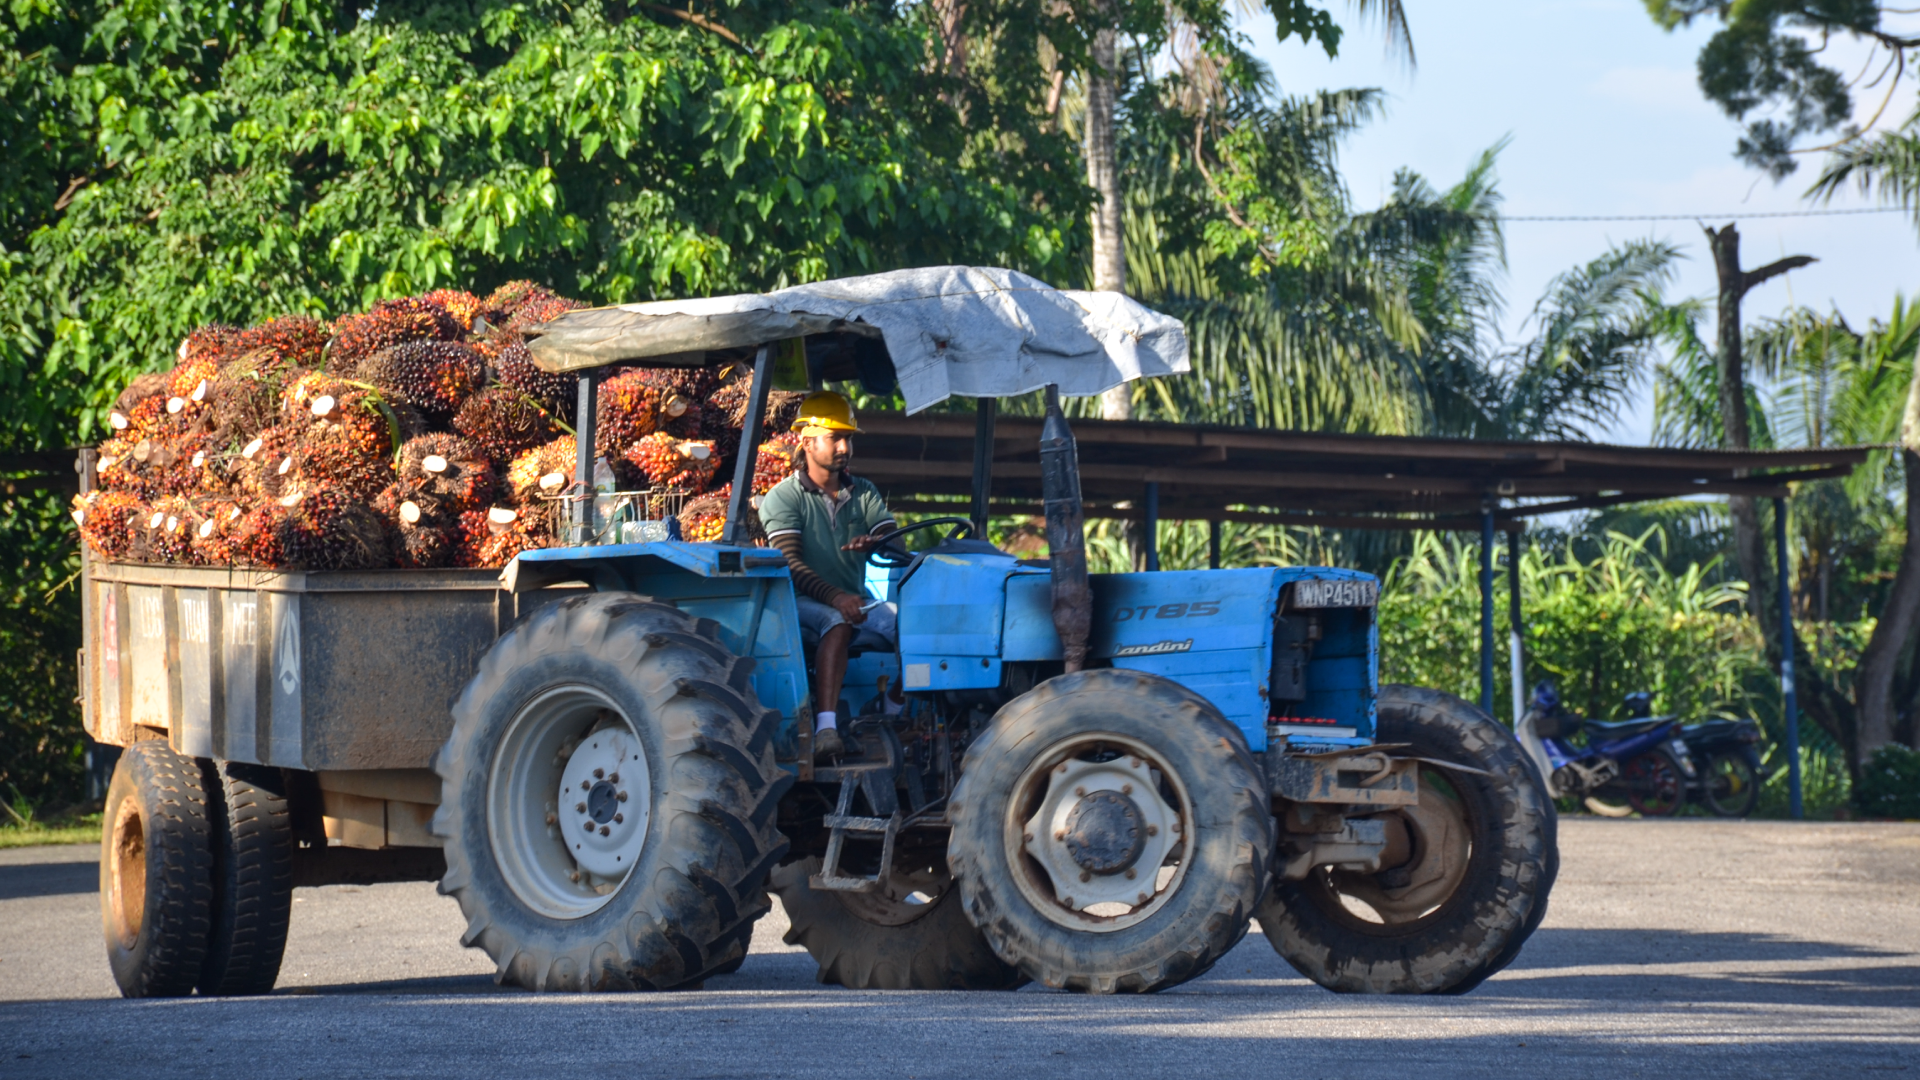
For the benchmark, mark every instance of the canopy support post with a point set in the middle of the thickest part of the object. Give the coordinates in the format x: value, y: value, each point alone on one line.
x: 1151, y: 540
x: 1518, y: 659
x: 1486, y: 607
x: 1790, y: 700
x: 583, y: 457
x: 1213, y: 544
x: 750, y: 435
x: 985, y: 416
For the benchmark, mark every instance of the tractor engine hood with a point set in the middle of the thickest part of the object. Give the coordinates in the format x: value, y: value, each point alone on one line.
x: 949, y: 330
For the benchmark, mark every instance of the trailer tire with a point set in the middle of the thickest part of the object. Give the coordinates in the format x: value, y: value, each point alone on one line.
x: 933, y: 949
x: 1432, y: 942
x: 671, y: 891
x: 1207, y: 866
x: 252, y: 877
x: 156, y: 872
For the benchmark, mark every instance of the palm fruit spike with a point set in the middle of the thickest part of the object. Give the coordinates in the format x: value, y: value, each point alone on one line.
x: 291, y: 341
x: 470, y: 532
x: 463, y: 306
x: 450, y: 469
x: 542, y: 471
x: 504, y: 422
x: 513, y: 365
x: 779, y: 456
x: 261, y: 536
x: 108, y: 521
x: 356, y: 338
x: 182, y: 381
x: 212, y: 540
x: 703, y: 518
x: 435, y: 377
x: 331, y: 531
x: 684, y: 465
x: 424, y: 547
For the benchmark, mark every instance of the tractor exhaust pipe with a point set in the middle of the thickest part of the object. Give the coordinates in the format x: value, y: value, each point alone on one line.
x: 1066, y: 534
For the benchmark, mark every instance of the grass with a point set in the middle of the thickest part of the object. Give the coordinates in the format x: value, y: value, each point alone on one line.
x: 21, y: 826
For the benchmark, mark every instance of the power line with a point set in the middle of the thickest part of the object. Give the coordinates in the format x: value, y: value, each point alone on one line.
x: 1715, y: 217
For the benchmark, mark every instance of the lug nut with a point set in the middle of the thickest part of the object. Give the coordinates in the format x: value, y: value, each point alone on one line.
x: 1176, y: 828
x: 622, y: 796
x: 604, y: 830
x: 619, y: 819
x: 1026, y: 837
x: 580, y: 808
x: 1144, y: 898
x: 574, y: 876
x: 1080, y: 791
x: 1059, y: 834
x: 553, y: 819
x: 613, y: 778
x: 1126, y: 789
x: 599, y: 773
x: 1086, y: 875
x: 1153, y: 830
x: 584, y: 786
x: 1130, y: 874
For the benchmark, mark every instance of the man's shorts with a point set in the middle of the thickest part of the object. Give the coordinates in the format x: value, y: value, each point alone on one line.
x: 879, y: 631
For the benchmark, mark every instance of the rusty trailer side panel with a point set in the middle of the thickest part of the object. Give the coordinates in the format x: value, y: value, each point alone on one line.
x: 317, y: 671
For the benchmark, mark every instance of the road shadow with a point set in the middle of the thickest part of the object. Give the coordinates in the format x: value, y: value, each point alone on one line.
x: 22, y: 880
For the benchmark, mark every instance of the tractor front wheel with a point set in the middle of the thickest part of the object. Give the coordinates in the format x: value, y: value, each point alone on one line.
x: 1482, y: 859
x: 909, y: 935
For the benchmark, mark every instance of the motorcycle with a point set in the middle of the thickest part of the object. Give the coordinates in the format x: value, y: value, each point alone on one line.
x: 1638, y: 764
x: 1728, y: 752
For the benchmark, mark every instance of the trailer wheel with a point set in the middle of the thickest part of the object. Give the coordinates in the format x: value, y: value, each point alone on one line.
x: 1484, y: 859
x: 608, y: 799
x: 912, y: 937
x: 1111, y: 833
x: 252, y: 877
x: 156, y: 872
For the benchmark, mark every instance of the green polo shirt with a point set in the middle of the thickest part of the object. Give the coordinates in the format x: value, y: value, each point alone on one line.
x: 797, y: 504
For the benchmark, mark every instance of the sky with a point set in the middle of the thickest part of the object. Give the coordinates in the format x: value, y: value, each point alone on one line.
x: 1605, y: 118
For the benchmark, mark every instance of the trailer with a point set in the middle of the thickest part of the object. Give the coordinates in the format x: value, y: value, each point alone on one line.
x: 604, y: 753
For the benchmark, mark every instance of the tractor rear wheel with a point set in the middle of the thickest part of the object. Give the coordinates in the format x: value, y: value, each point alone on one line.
x: 156, y: 872
x: 1475, y: 887
x: 911, y: 936
x: 608, y: 797
x: 1111, y: 833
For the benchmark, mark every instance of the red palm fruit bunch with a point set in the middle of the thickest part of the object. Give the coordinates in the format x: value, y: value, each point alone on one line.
x: 109, y: 521
x: 502, y: 303
x: 422, y: 528
x: 504, y: 422
x: 245, y: 396
x: 288, y: 342
x: 329, y: 530
x: 630, y: 409
x: 212, y: 540
x: 779, y: 456
x: 462, y: 305
x: 168, y: 533
x: 260, y: 536
x: 450, y: 470
x: 544, y: 471
x: 119, y: 470
x: 436, y: 377
x: 681, y: 464
x: 508, y: 533
x: 268, y: 464
x: 682, y: 392
x: 391, y: 323
x: 342, y: 439
x: 536, y: 309
x: 153, y: 384
x: 704, y: 518
x: 513, y: 365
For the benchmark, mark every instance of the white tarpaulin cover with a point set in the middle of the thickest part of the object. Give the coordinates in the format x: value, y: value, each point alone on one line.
x: 971, y: 331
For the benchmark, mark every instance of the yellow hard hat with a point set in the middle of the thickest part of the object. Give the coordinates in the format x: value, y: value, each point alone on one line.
x: 824, y: 410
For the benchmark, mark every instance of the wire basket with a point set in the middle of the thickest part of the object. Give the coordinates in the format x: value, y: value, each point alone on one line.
x: 619, y: 517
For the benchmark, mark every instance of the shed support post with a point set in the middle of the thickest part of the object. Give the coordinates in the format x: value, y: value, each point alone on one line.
x: 1790, y: 700
x: 1152, y: 530
x: 751, y: 432
x: 986, y: 413
x: 1518, y: 659
x: 584, y: 437
x: 1486, y: 607
x: 1213, y: 544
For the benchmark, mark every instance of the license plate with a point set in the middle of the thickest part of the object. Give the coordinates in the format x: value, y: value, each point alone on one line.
x: 1335, y: 594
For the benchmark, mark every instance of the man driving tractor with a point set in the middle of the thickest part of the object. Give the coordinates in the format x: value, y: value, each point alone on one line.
x: 826, y: 521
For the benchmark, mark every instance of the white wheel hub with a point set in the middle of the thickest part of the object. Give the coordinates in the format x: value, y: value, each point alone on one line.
x: 604, y: 799
x: 1102, y: 833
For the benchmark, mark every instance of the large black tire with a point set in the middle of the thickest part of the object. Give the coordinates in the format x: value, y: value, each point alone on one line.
x: 697, y: 881
x: 1208, y: 780
x: 867, y: 942
x: 1496, y: 899
x: 156, y: 872
x: 252, y: 877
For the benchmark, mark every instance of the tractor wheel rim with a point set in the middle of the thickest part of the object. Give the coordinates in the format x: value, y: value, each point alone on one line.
x: 127, y: 900
x: 568, y: 802
x: 1099, y: 832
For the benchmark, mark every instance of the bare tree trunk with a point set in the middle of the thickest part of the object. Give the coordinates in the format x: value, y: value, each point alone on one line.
x: 1103, y: 175
x: 1873, y: 679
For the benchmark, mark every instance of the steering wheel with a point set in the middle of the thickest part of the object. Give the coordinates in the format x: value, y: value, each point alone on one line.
x: 893, y: 560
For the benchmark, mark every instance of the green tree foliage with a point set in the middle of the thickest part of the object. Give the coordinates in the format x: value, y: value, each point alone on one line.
x: 41, y: 746
x: 176, y: 162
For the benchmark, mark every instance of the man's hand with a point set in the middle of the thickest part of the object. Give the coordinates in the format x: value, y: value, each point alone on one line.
x: 863, y: 543
x: 848, y: 605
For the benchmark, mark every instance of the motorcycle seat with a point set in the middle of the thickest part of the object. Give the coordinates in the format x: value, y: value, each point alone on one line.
x: 1621, y: 729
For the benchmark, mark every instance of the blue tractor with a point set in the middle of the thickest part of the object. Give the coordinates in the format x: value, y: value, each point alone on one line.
x: 1098, y: 782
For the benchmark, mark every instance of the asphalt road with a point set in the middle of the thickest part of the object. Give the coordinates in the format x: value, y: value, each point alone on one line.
x: 1688, y: 948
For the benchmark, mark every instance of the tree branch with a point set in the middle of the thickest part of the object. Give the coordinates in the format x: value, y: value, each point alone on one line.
x: 1774, y: 269
x: 700, y: 21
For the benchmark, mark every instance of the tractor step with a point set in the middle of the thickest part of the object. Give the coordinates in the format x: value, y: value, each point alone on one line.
x: 875, y: 782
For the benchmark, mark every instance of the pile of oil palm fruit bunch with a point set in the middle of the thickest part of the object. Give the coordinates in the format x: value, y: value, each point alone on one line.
x: 416, y: 435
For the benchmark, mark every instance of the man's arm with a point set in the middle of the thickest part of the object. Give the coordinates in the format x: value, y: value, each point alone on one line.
x: 805, y: 581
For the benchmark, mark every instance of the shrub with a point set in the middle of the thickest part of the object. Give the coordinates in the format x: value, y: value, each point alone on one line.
x: 1889, y: 784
